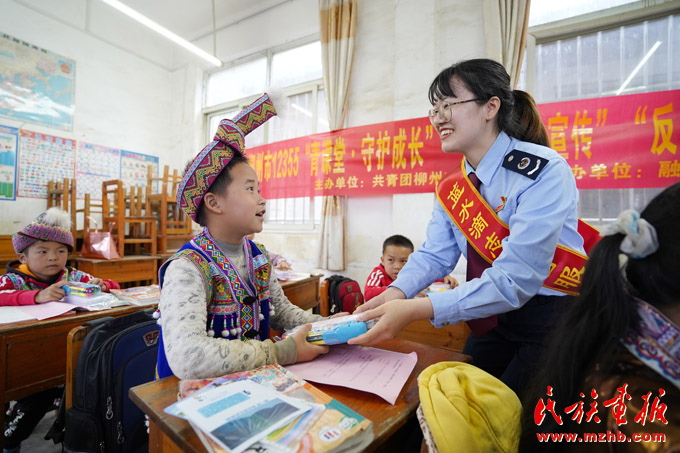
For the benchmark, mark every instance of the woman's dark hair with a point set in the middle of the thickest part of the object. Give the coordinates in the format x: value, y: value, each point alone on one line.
x: 588, y: 334
x: 220, y: 183
x: 485, y: 78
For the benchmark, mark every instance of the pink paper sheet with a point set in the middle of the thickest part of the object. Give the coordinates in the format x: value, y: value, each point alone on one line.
x: 46, y: 310
x: 367, y: 369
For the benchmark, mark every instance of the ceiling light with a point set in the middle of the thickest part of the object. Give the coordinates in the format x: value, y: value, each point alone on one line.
x: 638, y: 67
x: 163, y: 31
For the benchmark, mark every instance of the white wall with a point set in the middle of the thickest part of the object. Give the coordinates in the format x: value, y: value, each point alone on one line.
x: 122, y: 100
x: 138, y: 100
x: 400, y: 48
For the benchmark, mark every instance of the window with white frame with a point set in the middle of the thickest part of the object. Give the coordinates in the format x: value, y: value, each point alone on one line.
x: 297, y: 71
x: 599, y: 61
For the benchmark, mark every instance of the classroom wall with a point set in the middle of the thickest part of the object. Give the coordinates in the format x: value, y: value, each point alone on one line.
x: 147, y: 97
x: 400, y: 47
x: 123, y: 100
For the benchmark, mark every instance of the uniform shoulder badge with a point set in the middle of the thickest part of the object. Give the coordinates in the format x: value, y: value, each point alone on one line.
x: 524, y: 163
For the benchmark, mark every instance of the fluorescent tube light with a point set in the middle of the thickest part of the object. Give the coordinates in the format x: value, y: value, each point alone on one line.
x: 638, y: 67
x: 123, y: 8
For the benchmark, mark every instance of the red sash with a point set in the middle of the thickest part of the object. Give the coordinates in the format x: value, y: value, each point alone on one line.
x: 484, y: 230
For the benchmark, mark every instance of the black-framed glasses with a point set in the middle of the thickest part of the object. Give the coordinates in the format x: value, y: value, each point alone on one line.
x: 444, y: 110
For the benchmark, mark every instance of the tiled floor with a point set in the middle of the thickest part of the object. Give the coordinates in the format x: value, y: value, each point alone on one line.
x: 36, y: 443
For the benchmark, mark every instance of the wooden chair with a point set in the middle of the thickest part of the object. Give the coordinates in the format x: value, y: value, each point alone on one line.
x: 173, y: 223
x: 323, y: 298
x: 90, y: 208
x: 62, y: 194
x: 135, y: 205
x: 115, y: 211
x: 74, y: 341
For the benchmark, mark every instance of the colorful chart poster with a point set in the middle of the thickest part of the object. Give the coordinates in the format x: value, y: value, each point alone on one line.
x: 9, y: 140
x: 43, y: 158
x: 37, y: 85
x: 94, y: 165
x: 134, y: 168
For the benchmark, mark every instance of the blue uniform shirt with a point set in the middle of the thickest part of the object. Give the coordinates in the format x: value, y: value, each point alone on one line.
x: 540, y: 213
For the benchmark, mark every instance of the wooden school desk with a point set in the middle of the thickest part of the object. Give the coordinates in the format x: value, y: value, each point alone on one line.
x: 131, y: 268
x: 303, y: 292
x: 33, y: 353
x: 170, y: 434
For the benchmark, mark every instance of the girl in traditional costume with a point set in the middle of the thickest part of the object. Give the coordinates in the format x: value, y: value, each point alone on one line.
x: 219, y: 295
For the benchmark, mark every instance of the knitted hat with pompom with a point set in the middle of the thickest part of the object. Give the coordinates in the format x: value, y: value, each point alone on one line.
x: 52, y: 225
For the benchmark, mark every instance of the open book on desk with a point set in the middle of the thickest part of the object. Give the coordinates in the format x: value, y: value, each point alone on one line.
x: 139, y: 295
x: 332, y: 427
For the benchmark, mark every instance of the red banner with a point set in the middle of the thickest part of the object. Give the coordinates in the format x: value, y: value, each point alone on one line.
x: 611, y: 142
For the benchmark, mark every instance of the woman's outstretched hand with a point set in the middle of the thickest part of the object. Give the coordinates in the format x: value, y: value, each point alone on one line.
x: 392, y: 317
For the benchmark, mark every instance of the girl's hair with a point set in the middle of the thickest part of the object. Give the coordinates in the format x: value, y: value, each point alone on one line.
x: 517, y: 116
x: 220, y: 184
x: 590, y: 328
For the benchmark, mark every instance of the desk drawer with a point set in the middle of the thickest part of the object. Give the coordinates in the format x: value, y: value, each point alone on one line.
x: 38, y: 362
x: 304, y: 296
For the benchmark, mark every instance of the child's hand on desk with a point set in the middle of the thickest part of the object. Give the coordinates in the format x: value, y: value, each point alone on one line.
x: 306, y: 351
x: 50, y: 294
x: 99, y: 282
x: 452, y: 282
x: 283, y: 266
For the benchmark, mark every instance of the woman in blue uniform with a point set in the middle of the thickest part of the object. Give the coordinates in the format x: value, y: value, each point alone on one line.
x: 510, y: 207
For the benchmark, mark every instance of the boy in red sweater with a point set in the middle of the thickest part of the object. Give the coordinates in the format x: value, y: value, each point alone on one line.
x: 37, y: 277
x: 395, y: 252
x: 43, y: 247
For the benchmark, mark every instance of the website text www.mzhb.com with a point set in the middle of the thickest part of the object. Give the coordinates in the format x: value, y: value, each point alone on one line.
x: 609, y: 436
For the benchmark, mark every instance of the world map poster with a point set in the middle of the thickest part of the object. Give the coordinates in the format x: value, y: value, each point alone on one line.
x: 36, y: 85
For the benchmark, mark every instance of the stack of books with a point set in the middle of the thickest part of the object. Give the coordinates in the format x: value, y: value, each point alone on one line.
x: 269, y: 409
x: 139, y: 295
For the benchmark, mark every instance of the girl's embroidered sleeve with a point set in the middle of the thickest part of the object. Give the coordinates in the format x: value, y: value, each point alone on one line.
x: 191, y: 353
x: 286, y: 314
x: 10, y: 296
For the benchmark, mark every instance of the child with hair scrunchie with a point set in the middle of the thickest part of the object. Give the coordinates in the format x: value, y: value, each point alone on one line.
x: 616, y: 350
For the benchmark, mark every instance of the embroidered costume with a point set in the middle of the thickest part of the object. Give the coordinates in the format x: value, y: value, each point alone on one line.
x: 647, y: 370
x: 228, y: 277
x: 218, y: 300
x: 19, y: 286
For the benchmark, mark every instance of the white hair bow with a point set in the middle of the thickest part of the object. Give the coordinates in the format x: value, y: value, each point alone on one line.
x: 640, y: 240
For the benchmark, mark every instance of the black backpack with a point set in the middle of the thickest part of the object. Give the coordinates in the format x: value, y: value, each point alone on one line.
x: 344, y: 294
x: 118, y: 353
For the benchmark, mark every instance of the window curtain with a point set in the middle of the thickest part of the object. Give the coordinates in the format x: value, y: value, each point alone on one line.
x: 338, y: 20
x: 505, y: 27
x: 332, y: 255
x: 338, y: 24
